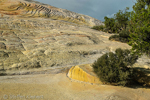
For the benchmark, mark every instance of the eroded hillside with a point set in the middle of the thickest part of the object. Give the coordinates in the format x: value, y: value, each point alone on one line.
x: 33, y: 9
x: 40, y: 39
x: 35, y: 35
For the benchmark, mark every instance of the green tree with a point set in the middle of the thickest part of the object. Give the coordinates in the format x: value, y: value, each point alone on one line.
x: 118, y: 22
x: 109, y: 24
x: 140, y: 27
x: 122, y: 18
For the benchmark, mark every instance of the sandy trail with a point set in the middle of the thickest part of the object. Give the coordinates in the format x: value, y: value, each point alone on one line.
x: 59, y: 87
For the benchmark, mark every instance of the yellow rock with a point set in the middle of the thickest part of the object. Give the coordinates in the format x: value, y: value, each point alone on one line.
x: 83, y: 73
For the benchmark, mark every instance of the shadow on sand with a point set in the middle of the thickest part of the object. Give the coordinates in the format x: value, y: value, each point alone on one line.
x: 141, y: 78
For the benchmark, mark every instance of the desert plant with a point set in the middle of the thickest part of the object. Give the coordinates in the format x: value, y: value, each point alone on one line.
x: 114, y: 37
x: 109, y: 24
x: 112, y: 68
x: 123, y: 36
x: 122, y: 18
x: 99, y: 28
x: 140, y: 27
x: 119, y: 22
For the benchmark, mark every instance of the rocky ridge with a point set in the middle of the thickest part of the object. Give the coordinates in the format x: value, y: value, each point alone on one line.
x: 34, y: 9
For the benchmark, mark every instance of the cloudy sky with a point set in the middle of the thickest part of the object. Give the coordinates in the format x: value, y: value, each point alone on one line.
x: 94, y: 8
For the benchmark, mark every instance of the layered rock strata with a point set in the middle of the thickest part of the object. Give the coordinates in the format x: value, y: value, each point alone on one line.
x: 33, y: 9
x: 31, y: 38
x: 83, y: 73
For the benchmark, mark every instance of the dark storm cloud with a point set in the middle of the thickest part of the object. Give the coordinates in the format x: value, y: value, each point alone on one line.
x: 95, y: 8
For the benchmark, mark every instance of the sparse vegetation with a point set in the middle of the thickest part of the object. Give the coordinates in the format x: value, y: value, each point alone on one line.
x: 131, y: 27
x: 118, y: 24
x: 99, y: 28
x: 123, y: 36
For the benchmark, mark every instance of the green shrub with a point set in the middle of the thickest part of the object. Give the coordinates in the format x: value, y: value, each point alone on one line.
x: 123, y: 36
x: 109, y: 24
x: 99, y: 28
x: 118, y: 38
x: 106, y: 30
x: 114, y: 37
x: 112, y: 68
x: 119, y: 22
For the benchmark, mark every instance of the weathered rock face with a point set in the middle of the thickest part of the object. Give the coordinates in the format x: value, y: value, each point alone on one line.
x: 37, y: 43
x: 83, y: 73
x: 30, y: 37
x: 33, y: 9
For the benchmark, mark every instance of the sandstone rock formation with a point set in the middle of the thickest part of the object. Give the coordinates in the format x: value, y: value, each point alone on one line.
x: 83, y: 73
x: 59, y: 87
x: 39, y: 36
x: 36, y: 38
x: 34, y: 35
x: 33, y: 9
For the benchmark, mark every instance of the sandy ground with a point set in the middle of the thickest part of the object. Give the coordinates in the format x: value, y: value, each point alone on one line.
x: 60, y: 87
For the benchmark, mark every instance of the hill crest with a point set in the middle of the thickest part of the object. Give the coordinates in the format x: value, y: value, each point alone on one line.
x: 34, y: 9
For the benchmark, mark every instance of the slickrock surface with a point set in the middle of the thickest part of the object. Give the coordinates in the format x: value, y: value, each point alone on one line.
x: 33, y: 9
x: 83, y: 73
x: 59, y: 87
x: 44, y: 42
x: 29, y: 40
